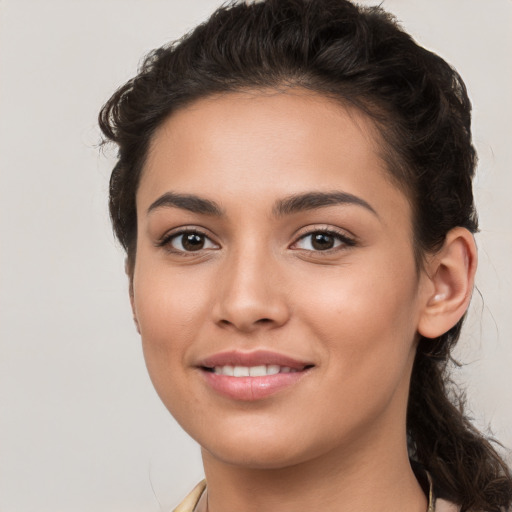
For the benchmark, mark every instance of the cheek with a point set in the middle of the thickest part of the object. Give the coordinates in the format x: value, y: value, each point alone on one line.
x: 368, y: 340
x: 170, y: 308
x: 168, y: 300
x: 367, y: 319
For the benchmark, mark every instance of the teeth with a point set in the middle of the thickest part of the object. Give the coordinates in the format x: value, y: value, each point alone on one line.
x: 227, y: 370
x: 241, y: 371
x: 258, y: 371
x: 272, y: 369
x: 252, y: 371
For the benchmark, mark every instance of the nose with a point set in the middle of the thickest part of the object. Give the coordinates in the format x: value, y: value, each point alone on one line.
x: 251, y: 294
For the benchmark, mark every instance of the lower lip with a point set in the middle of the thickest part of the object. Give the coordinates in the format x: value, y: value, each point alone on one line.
x: 251, y: 388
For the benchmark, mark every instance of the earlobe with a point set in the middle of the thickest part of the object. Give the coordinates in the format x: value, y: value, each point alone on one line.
x: 450, y: 278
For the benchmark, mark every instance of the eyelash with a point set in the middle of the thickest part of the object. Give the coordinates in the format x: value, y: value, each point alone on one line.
x: 343, y: 238
x: 166, y: 240
x: 345, y: 241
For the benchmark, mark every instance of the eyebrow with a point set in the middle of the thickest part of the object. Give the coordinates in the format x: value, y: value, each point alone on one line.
x: 313, y: 200
x: 190, y: 202
x: 289, y: 205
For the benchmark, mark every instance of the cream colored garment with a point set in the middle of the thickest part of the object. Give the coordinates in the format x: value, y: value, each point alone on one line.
x: 445, y: 506
x: 190, y: 502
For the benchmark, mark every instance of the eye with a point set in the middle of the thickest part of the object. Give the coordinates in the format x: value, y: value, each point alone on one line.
x: 187, y: 241
x: 322, y: 240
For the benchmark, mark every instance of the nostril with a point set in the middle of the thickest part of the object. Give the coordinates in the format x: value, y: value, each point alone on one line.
x: 262, y: 322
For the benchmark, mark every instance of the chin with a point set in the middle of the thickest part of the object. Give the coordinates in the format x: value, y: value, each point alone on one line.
x: 262, y: 448
x: 255, y: 456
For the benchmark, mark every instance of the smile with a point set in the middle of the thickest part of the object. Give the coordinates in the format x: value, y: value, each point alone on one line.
x: 250, y: 376
x: 252, y: 371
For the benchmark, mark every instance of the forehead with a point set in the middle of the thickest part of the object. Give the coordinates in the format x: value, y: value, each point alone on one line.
x: 262, y: 144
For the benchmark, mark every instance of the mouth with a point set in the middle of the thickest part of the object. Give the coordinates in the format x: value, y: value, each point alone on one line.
x: 253, y: 371
x: 250, y: 376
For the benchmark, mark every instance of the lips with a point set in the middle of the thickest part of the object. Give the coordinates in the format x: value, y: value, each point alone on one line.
x: 253, y: 375
x: 254, y: 358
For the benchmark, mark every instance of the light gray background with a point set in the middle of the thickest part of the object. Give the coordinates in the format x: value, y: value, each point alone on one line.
x: 81, y: 428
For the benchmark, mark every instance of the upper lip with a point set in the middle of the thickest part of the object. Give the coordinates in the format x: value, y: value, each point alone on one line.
x: 253, y: 358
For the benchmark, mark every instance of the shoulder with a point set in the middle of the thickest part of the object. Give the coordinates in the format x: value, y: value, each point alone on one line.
x: 445, y: 506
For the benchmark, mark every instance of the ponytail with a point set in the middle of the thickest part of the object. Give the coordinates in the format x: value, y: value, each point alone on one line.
x: 462, y: 462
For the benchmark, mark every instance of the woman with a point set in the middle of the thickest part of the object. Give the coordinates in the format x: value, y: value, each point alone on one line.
x: 293, y: 192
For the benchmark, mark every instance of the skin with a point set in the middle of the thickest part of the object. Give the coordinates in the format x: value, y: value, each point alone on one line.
x: 336, y: 439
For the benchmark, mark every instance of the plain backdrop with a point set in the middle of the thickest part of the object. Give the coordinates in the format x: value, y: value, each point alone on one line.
x: 81, y: 428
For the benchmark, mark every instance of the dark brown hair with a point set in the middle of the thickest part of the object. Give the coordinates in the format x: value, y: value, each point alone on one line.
x: 360, y: 56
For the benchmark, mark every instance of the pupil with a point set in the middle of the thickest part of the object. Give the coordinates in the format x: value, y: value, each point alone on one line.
x: 193, y: 242
x: 323, y: 241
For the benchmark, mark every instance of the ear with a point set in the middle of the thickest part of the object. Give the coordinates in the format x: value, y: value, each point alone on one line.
x: 129, y: 272
x: 450, y: 275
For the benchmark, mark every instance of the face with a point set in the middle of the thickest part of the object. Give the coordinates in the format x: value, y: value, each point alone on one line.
x: 275, y: 286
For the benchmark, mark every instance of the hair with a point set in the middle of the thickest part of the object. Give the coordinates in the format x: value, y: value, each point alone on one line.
x: 360, y: 57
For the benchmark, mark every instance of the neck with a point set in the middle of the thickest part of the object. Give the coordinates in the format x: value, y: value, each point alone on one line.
x: 375, y: 477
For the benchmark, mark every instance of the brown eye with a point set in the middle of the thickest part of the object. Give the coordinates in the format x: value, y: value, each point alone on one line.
x: 323, y: 241
x: 189, y: 241
x: 192, y: 241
